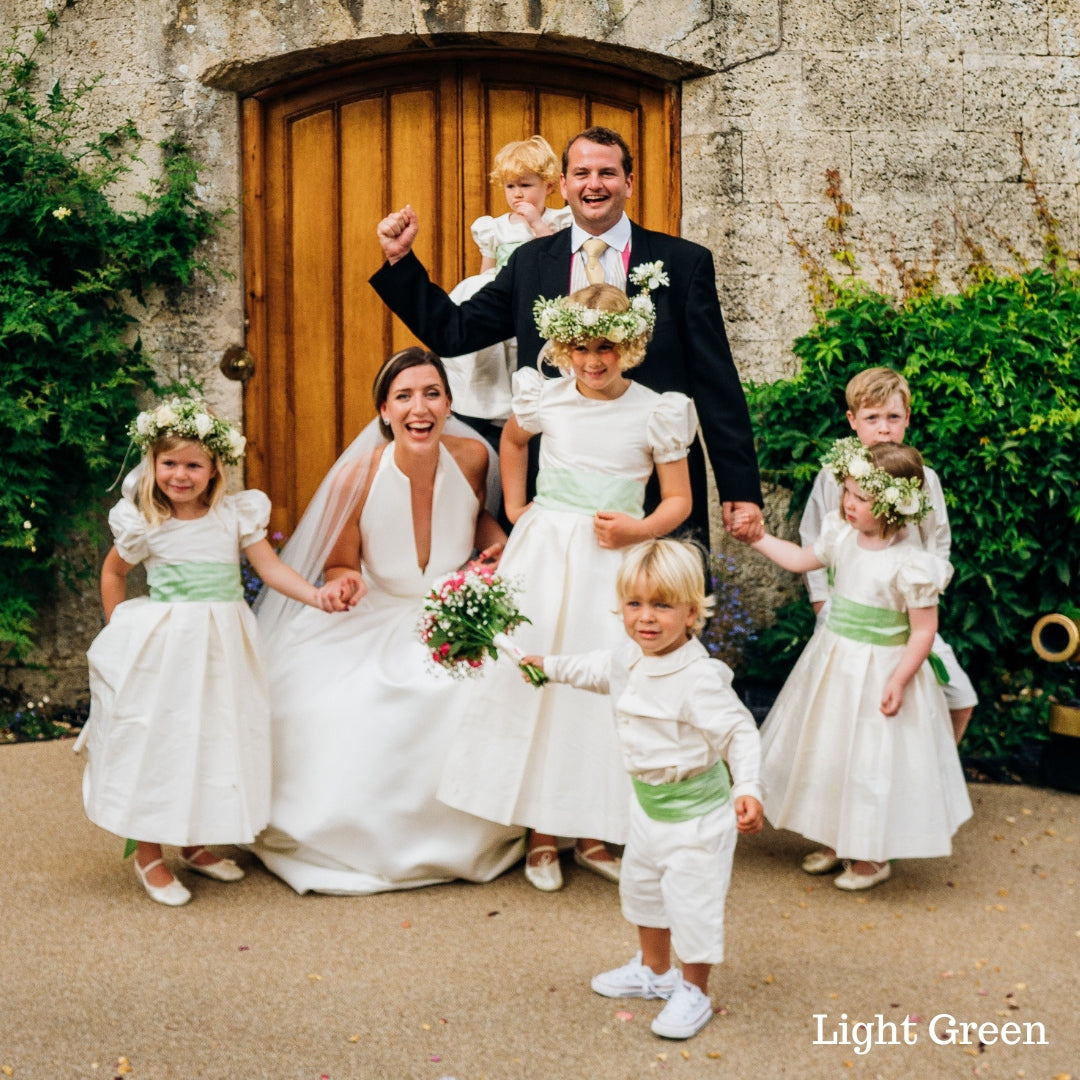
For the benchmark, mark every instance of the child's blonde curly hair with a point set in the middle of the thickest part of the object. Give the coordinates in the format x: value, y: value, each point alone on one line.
x: 532, y: 155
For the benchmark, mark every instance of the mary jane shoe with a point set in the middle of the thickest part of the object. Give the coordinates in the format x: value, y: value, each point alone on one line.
x: 220, y: 870
x: 820, y: 862
x: 173, y: 895
x: 547, y: 874
x: 849, y: 881
x: 606, y: 868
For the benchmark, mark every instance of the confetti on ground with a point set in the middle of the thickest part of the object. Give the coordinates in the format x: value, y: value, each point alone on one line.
x: 354, y: 1038
x: 7, y: 1070
x: 406, y: 925
x: 315, y: 978
x: 434, y: 1057
x: 714, y: 1055
x: 623, y: 1015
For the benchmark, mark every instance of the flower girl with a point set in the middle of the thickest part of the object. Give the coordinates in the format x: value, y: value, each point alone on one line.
x: 549, y: 759
x: 178, y: 734
x: 527, y: 171
x: 858, y: 752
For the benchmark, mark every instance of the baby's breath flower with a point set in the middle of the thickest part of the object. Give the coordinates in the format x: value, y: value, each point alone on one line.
x: 899, y: 500
x: 188, y: 418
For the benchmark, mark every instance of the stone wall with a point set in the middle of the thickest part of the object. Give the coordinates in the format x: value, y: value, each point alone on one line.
x: 927, y: 108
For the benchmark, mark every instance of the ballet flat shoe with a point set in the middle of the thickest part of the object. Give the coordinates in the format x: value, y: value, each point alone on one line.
x: 820, y: 862
x: 547, y: 877
x: 172, y: 895
x: 849, y: 881
x: 222, y: 870
x: 608, y: 869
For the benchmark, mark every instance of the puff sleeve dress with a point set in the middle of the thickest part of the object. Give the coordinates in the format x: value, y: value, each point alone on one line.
x: 834, y: 768
x: 480, y: 381
x: 549, y: 759
x: 178, y: 738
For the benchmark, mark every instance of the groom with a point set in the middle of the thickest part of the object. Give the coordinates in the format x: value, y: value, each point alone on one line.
x: 688, y: 351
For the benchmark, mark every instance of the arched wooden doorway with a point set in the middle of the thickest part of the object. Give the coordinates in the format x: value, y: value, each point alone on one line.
x: 325, y: 158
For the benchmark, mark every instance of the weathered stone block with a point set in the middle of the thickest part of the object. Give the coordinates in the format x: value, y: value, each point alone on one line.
x: 874, y: 91
x: 885, y: 162
x: 843, y: 24
x: 791, y: 165
x: 979, y: 26
x: 999, y: 91
x: 1064, y: 28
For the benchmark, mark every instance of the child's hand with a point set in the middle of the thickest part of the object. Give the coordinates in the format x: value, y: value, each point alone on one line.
x: 343, y: 592
x: 893, y: 697
x: 749, y: 814
x: 744, y: 521
x: 528, y: 213
x: 614, y: 529
x: 532, y: 670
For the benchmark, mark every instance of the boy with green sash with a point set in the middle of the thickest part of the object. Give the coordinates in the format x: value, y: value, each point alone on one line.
x: 678, y: 721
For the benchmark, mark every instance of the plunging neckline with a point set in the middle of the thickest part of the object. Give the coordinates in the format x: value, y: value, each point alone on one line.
x: 435, y: 481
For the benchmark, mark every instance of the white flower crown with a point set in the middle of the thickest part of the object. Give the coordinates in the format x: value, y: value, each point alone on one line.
x: 899, y: 500
x: 188, y: 418
x: 562, y: 320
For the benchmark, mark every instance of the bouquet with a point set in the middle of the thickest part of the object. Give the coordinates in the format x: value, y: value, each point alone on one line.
x: 466, y: 617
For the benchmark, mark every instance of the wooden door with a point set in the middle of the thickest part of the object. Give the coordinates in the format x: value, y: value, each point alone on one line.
x: 326, y: 158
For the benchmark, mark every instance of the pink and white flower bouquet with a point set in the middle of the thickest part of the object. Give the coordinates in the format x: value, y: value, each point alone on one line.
x: 466, y: 618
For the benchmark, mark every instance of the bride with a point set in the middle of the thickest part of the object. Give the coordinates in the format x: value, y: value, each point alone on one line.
x: 362, y: 722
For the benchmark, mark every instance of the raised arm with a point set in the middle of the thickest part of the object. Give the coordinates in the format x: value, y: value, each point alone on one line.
x: 396, y: 233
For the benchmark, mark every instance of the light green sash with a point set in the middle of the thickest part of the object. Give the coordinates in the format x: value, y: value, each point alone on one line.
x: 195, y: 581
x: 504, y: 251
x: 586, y: 492
x: 876, y: 626
x: 685, y: 799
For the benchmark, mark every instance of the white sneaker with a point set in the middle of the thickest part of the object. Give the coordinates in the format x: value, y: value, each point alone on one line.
x: 637, y: 980
x: 688, y: 1010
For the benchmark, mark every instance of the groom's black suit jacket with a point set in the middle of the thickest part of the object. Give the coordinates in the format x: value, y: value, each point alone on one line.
x: 688, y: 351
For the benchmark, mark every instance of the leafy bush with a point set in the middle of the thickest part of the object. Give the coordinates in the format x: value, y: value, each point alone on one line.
x: 70, y: 356
x: 995, y: 378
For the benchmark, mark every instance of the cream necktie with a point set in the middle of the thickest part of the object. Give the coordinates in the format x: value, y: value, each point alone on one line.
x: 594, y: 247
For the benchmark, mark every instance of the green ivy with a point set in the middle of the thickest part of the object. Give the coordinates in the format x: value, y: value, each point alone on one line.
x: 994, y: 371
x: 71, y: 270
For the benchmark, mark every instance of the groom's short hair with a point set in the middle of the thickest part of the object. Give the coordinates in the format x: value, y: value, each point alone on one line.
x: 605, y: 137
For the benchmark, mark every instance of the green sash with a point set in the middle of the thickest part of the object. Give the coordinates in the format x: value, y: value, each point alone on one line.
x: 685, y: 799
x: 876, y: 626
x: 586, y: 492
x: 195, y: 581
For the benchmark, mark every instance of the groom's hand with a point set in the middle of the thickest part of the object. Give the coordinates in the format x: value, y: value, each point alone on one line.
x: 397, y: 232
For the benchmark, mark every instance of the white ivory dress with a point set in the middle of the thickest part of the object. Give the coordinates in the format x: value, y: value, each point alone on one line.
x: 834, y: 768
x: 549, y: 758
x: 362, y: 720
x: 178, y: 739
x: 480, y: 381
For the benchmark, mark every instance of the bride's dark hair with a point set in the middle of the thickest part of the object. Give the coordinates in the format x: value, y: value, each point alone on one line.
x: 413, y: 356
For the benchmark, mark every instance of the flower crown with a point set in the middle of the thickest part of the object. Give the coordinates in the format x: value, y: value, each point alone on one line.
x: 899, y: 500
x: 563, y: 320
x: 188, y: 418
